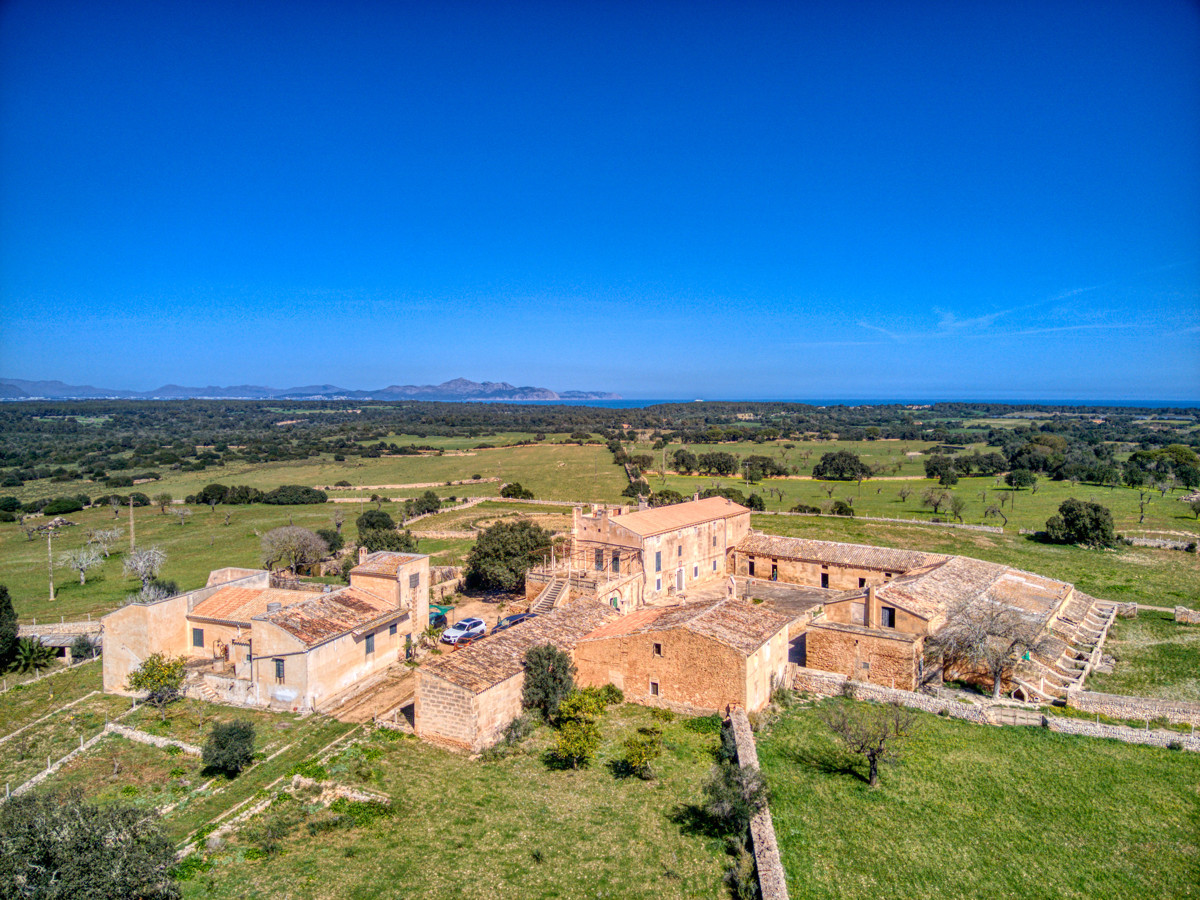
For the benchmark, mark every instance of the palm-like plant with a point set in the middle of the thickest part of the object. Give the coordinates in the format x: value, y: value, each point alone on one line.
x: 32, y: 655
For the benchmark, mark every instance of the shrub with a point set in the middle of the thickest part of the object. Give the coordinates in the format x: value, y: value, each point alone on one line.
x: 662, y: 715
x: 1082, y: 522
x: 514, y: 491
x: 311, y: 769
x: 612, y: 695
x: 230, y: 747
x: 805, y: 508
x: 82, y: 647
x: 641, y: 750
x: 375, y: 539
x: 61, y: 505
x: 374, y: 518
x: 704, y: 724
x: 581, y: 706
x: 294, y: 495
x: 732, y: 795
x: 333, y: 538
x: 842, y: 508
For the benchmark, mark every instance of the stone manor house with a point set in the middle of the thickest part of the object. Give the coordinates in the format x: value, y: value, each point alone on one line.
x: 686, y: 607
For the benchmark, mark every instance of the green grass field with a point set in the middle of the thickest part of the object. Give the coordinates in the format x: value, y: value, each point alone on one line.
x: 506, y: 828
x: 973, y: 811
x: 1155, y: 657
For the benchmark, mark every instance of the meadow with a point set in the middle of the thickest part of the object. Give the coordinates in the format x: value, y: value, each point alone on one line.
x: 972, y: 811
x: 1154, y: 657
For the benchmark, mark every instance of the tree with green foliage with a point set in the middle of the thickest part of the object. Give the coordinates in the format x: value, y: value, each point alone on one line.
x: 1020, y: 478
x: 943, y: 468
x: 161, y: 677
x: 514, y: 491
x: 8, y: 629
x: 549, y: 679
x: 332, y: 538
x: 717, y: 463
x: 504, y: 553
x: 294, y: 495
x: 1082, y: 522
x: 685, y: 461
x: 373, y: 519
x: 640, y: 751
x: 376, y: 539
x: 841, y: 465
x: 935, y: 499
x: 32, y: 655
x: 57, y: 846
x: 578, y: 727
x: 229, y: 747
x: 733, y: 794
x: 162, y: 501
x: 82, y: 648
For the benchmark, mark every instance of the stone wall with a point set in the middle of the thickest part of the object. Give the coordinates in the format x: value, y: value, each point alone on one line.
x: 444, y: 710
x: 831, y: 684
x: 1122, y: 733
x: 1121, y: 707
x: 991, y: 529
x: 879, y: 658
x: 772, y: 881
x: 1186, y: 616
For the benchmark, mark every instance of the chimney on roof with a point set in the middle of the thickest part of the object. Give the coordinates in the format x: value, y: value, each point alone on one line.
x: 274, y: 606
x: 362, y: 555
x: 696, y: 496
x: 869, y: 611
x: 642, y: 504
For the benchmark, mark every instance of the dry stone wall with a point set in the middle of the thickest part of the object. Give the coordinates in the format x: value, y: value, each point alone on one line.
x: 1120, y: 707
x: 831, y: 684
x: 772, y: 881
x: 1185, y: 616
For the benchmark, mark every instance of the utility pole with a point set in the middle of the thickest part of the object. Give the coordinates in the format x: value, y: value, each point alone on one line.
x: 50, y: 559
x: 131, y: 543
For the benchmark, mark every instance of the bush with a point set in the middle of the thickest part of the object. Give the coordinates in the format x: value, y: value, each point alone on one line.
x: 83, y: 648
x: 333, y: 538
x: 641, y: 750
x: 294, y: 495
x: 842, y: 508
x: 1082, y: 522
x: 311, y: 769
x: 373, y: 519
x: 612, y: 695
x: 376, y: 539
x: 581, y: 706
x: 577, y: 743
x: 514, y: 491
x: 732, y: 795
x: 61, y: 505
x: 230, y: 747
x: 704, y: 724
x: 805, y: 508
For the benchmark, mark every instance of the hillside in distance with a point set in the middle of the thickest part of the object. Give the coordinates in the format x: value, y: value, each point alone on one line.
x: 459, y: 389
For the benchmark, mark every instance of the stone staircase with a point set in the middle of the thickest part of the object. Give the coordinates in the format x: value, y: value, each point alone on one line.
x: 202, y: 690
x: 549, y: 597
x: 1072, y: 650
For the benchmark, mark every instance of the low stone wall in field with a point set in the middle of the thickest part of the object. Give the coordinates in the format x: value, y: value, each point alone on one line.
x: 772, y: 882
x: 1121, y: 707
x: 990, y: 529
x: 1185, y: 616
x: 830, y: 684
x: 1126, y: 735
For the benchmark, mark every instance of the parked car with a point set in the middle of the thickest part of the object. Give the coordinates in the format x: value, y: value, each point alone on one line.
x: 465, y: 628
x: 437, y: 618
x: 510, y: 621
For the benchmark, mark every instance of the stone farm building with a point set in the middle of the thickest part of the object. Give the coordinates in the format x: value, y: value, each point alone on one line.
x: 631, y: 559
x: 698, y: 657
x: 884, y: 603
x: 249, y: 643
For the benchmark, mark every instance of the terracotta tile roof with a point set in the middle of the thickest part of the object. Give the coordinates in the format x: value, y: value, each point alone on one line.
x: 325, y: 616
x: 835, y: 553
x: 240, y: 605
x: 384, y: 562
x: 679, y: 515
x: 734, y: 623
x: 500, y: 656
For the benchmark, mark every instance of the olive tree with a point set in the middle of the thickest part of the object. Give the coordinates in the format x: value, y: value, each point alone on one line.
x: 874, y: 731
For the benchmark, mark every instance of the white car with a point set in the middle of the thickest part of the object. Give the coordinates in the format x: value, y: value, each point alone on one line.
x: 461, y: 630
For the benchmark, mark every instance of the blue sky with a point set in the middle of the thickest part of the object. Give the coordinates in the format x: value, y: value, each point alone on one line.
x: 806, y: 200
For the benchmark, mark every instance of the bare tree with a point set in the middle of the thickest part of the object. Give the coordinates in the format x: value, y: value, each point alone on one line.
x: 162, y: 501
x: 115, y: 503
x: 81, y: 561
x: 874, y: 731
x: 339, y: 519
x: 1195, y: 505
x: 145, y: 563
x: 905, y: 492
x: 149, y: 593
x: 987, y: 635
x: 996, y: 511
x: 292, y: 546
x: 182, y: 513
x: 104, y: 538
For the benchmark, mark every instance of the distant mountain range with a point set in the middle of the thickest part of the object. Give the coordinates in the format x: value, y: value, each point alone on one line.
x: 460, y: 389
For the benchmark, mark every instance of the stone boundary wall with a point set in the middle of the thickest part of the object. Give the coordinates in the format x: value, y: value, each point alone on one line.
x: 1158, y: 543
x: 990, y: 529
x: 772, y: 882
x: 1185, y: 616
x: 50, y: 770
x: 51, y: 714
x: 1123, y: 733
x: 154, y: 740
x: 831, y: 684
x: 1121, y: 707
x: 61, y: 627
